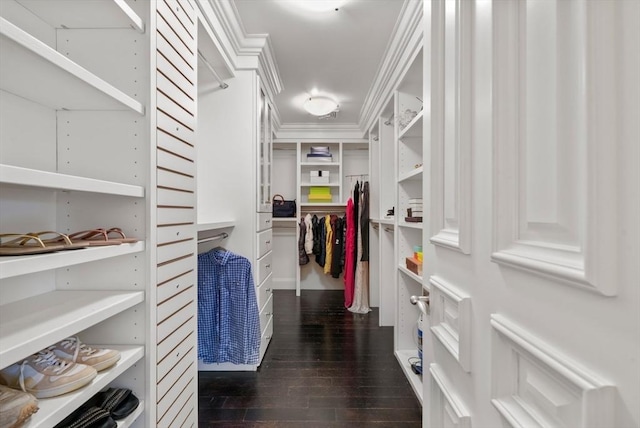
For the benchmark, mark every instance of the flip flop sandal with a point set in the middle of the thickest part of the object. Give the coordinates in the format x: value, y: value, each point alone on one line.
x: 61, y: 239
x: 123, y: 239
x: 25, y: 244
x: 94, y: 237
x: 88, y: 417
x: 119, y: 402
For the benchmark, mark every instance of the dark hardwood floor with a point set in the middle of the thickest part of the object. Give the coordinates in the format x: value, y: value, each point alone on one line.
x: 325, y: 367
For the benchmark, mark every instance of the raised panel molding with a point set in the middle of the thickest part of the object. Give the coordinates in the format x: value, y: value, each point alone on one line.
x: 445, y: 407
x: 451, y: 320
x: 534, y: 385
x: 555, y: 141
x: 451, y: 135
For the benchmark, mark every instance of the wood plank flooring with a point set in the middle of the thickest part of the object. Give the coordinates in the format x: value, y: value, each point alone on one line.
x: 325, y: 367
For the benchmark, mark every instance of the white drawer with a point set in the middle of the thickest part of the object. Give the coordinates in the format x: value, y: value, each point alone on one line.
x: 263, y: 267
x: 264, y: 242
x: 264, y: 221
x: 266, y: 313
x: 267, y: 333
x: 264, y: 291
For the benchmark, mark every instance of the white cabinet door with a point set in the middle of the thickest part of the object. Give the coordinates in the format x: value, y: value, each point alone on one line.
x: 532, y: 254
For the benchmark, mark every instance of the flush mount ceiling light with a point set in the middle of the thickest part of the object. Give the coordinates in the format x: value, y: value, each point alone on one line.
x: 318, y: 5
x: 320, y: 105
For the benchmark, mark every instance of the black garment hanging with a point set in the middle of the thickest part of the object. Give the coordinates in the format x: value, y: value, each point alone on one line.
x: 356, y: 218
x: 322, y: 235
x: 303, y: 258
x: 315, y: 224
x: 338, y: 244
x: 364, y: 221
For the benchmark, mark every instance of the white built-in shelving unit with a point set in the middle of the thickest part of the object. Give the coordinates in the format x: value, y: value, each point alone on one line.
x: 75, y: 157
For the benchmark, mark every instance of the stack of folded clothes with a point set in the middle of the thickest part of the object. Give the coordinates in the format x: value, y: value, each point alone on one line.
x: 319, y: 154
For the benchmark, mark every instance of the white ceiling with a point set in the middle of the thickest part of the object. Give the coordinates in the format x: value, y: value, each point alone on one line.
x: 336, y: 52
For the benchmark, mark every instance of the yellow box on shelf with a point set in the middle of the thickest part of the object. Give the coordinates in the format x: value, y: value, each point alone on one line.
x: 320, y: 198
x: 320, y: 190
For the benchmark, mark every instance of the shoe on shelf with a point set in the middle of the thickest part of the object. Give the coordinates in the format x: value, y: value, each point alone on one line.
x: 46, y: 375
x: 73, y: 349
x: 88, y: 417
x: 15, y: 407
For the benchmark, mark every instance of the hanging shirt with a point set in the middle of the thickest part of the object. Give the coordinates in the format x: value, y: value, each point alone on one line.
x: 349, y: 256
x: 309, y: 239
x: 228, y: 317
x: 328, y: 244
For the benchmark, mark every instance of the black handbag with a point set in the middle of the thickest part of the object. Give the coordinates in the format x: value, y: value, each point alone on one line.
x: 282, y: 208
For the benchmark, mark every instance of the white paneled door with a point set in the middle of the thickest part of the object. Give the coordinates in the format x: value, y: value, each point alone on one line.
x: 533, y: 250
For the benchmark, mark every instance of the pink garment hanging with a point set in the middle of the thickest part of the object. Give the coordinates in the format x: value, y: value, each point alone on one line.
x: 349, y: 257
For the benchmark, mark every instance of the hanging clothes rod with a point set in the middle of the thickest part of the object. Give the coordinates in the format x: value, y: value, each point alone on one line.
x: 223, y: 235
x: 223, y: 85
x: 357, y: 175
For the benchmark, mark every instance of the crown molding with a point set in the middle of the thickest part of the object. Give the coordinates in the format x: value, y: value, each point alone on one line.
x: 406, y: 40
x: 319, y: 130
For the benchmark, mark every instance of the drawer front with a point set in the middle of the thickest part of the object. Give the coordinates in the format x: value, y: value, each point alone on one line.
x: 169, y: 325
x: 176, y: 198
x: 265, y: 291
x: 264, y: 221
x: 266, y: 338
x: 264, y: 242
x: 176, y: 303
x: 264, y: 267
x: 266, y: 313
x: 172, y: 234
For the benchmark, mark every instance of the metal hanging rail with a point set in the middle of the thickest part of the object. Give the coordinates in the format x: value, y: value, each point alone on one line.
x: 223, y: 235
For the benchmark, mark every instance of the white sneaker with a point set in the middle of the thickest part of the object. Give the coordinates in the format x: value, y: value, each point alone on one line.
x: 46, y: 375
x: 72, y: 349
x: 15, y: 407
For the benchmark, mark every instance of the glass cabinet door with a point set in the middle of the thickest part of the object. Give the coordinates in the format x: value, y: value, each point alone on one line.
x: 264, y: 154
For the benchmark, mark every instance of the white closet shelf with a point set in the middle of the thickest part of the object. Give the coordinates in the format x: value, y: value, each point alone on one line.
x: 32, y: 324
x: 22, y: 265
x: 319, y: 184
x: 51, y: 180
x: 35, y: 71
x: 213, y: 225
x: 322, y: 204
x: 86, y: 14
x: 387, y: 221
x: 413, y: 128
x: 416, y: 225
x: 403, y: 357
x: 414, y: 174
x: 319, y: 163
x: 410, y: 274
x: 53, y: 410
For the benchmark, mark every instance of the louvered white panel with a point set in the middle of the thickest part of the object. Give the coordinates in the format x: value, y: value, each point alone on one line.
x: 175, y: 198
x: 171, y: 179
x: 171, y: 270
x: 180, y: 366
x: 183, y: 348
x: 184, y: 13
x: 171, y: 404
x: 166, y: 67
x: 186, y: 42
x: 166, y: 52
x: 176, y: 94
x: 175, y: 163
x: 174, y: 215
x: 174, y: 110
x: 179, y: 139
x: 176, y: 44
x: 174, y: 233
x: 176, y: 250
x: 176, y: 303
x: 175, y: 285
x: 168, y: 326
x: 183, y: 333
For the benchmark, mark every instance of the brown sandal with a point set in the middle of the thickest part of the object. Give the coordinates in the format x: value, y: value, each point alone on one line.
x: 26, y: 244
x: 62, y: 239
x: 94, y: 237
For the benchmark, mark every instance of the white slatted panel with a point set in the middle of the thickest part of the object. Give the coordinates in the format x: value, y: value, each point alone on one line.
x: 176, y: 252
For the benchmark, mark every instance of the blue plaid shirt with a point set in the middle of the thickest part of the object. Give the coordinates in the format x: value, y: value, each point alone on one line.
x: 228, y: 318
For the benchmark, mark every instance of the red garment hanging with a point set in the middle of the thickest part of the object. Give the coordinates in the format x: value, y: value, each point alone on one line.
x: 349, y: 257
